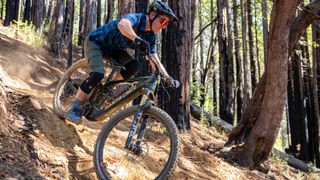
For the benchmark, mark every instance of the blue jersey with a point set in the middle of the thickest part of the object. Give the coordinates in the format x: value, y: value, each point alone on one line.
x: 109, y: 38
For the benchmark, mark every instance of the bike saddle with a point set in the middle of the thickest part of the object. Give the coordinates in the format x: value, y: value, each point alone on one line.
x: 117, y: 65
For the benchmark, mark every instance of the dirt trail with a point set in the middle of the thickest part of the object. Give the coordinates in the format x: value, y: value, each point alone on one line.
x: 36, y: 144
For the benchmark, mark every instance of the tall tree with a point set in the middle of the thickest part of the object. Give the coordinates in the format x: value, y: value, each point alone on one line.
x: 98, y: 13
x: 1, y: 9
x: 261, y: 120
x: 49, y: 13
x: 110, y: 11
x: 202, y: 60
x: 296, y: 104
x: 246, y: 71
x: 56, y: 28
x: 69, y: 28
x: 239, y: 69
x: 90, y: 22
x: 27, y: 11
x: 125, y: 7
x: 11, y: 11
x: 82, y: 17
x: 251, y: 45
x: 264, y: 29
x: 176, y: 52
x: 315, y: 82
x: 226, y: 63
x: 37, y: 12
x: 257, y: 40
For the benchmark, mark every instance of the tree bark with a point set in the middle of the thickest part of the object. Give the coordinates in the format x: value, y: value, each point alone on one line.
x: 56, y: 28
x: 176, y: 52
x: 265, y: 122
x: 251, y: 46
x: 226, y: 64
x: 315, y: 97
x: 202, y: 66
x: 110, y: 11
x: 37, y: 11
x: 82, y: 17
x: 11, y: 12
x: 98, y: 13
x: 246, y: 71
x: 239, y: 68
x: 90, y: 22
x: 296, y: 105
x: 27, y: 11
x: 2, y: 9
x: 125, y: 7
x: 69, y: 28
x: 265, y: 29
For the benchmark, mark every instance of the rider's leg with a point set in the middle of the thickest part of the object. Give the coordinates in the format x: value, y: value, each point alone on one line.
x: 132, y: 67
x: 84, y: 89
x: 96, y: 69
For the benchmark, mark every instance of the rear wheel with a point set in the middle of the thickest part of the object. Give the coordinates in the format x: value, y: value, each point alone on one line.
x: 68, y: 86
x: 159, y: 147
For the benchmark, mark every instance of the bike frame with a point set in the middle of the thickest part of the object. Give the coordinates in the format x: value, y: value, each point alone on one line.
x: 145, y: 86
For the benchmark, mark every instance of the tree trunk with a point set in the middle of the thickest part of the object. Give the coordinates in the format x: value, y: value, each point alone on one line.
x: 98, y: 13
x: 49, y: 13
x: 11, y: 11
x: 125, y: 7
x: 315, y: 96
x: 246, y: 71
x: 265, y: 29
x: 251, y: 46
x: 37, y: 11
x: 262, y: 128
x: 256, y: 22
x: 252, y: 113
x: 212, y: 59
x: 2, y: 9
x: 226, y: 64
x: 239, y: 69
x: 90, y: 17
x: 27, y: 11
x: 69, y: 28
x: 82, y: 17
x: 202, y: 66
x: 176, y: 52
x: 56, y: 28
x: 306, y: 128
x: 296, y: 105
x: 110, y: 11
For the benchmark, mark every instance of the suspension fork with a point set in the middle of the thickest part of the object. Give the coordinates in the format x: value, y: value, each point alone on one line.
x: 145, y: 103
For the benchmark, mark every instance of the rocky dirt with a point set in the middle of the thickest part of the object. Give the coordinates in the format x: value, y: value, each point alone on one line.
x: 36, y: 144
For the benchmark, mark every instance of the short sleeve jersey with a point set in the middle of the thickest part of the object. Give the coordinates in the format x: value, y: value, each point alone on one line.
x: 109, y: 38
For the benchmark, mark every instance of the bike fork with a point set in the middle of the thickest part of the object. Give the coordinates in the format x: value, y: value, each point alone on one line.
x: 137, y: 118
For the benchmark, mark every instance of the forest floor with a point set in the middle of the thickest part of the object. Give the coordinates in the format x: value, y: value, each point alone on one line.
x: 36, y: 144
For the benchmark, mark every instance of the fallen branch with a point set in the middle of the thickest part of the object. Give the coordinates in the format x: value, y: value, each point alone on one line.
x: 223, y: 126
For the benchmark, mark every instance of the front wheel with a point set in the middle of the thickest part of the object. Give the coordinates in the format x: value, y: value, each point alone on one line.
x: 159, y: 147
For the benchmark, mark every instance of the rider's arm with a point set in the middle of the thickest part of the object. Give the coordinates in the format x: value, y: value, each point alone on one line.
x: 125, y: 27
x: 163, y: 70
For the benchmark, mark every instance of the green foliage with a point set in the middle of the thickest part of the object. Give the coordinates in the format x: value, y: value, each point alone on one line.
x: 28, y: 34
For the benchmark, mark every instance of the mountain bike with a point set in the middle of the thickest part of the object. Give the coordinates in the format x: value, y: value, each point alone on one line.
x: 138, y: 142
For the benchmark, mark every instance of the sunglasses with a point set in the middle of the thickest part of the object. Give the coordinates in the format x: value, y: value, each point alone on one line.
x: 163, y: 21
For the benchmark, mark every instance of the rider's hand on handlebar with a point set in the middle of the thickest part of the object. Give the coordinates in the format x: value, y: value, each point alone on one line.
x: 142, y: 45
x: 172, y: 82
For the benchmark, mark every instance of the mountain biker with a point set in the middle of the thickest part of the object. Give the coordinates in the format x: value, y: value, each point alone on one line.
x: 135, y: 31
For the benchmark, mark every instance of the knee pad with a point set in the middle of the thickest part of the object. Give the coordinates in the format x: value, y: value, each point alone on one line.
x: 132, y: 68
x: 93, y: 79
